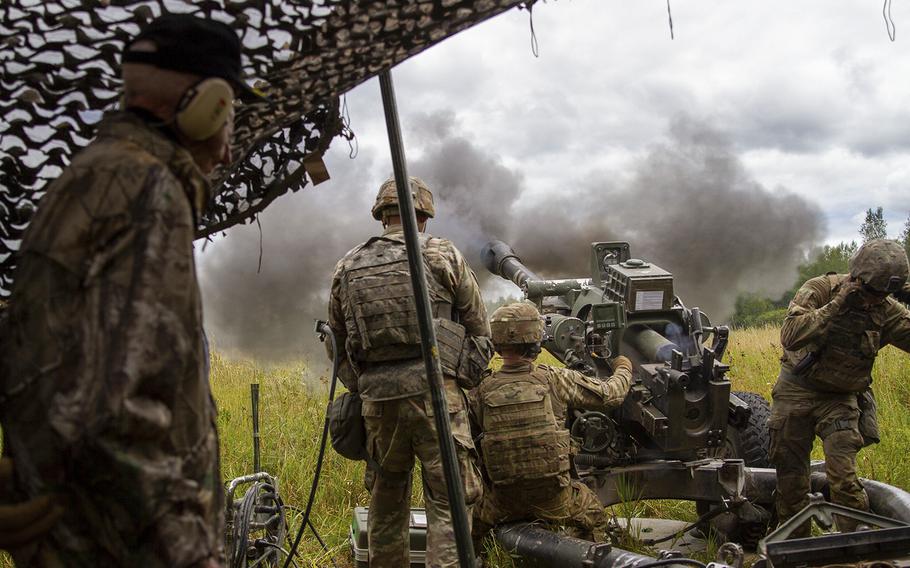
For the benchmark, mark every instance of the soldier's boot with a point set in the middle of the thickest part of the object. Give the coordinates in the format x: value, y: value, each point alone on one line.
x: 840, y: 448
x: 388, y: 530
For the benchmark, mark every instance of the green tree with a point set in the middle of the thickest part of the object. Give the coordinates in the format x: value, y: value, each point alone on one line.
x: 829, y: 258
x: 875, y: 226
x: 905, y: 235
x: 748, y: 309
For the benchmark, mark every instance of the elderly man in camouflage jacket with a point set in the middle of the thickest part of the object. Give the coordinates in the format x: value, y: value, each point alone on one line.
x: 521, y: 410
x: 373, y: 314
x: 104, y: 392
x: 834, y: 328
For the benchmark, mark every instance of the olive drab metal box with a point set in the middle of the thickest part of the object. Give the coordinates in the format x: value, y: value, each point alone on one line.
x: 642, y: 286
x: 360, y: 546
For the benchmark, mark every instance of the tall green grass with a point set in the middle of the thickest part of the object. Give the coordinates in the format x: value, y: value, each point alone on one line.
x: 292, y: 409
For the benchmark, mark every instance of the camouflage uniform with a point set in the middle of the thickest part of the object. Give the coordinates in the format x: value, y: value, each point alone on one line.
x: 104, y: 392
x: 522, y: 449
x: 821, y: 400
x: 397, y: 408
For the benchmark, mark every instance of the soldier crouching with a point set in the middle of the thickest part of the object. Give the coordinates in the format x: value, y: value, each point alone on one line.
x: 834, y: 328
x: 525, y: 447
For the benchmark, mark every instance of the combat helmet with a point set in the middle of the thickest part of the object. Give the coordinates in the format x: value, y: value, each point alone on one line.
x: 388, y: 197
x: 881, y: 264
x: 516, y: 324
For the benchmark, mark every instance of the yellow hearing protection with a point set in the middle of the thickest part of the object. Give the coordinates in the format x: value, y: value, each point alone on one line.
x: 204, y: 108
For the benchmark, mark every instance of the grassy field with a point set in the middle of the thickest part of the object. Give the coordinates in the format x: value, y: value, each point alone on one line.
x: 293, y: 399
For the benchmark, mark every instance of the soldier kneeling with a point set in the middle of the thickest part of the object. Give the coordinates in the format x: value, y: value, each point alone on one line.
x: 525, y: 446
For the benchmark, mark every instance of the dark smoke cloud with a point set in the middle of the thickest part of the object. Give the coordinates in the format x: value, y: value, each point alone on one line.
x: 269, y: 313
x: 690, y: 207
x: 474, y: 191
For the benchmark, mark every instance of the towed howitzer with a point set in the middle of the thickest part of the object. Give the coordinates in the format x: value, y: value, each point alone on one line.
x: 680, y: 403
x: 680, y: 433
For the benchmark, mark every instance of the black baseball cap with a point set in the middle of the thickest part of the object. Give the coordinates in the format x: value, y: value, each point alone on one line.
x: 193, y: 45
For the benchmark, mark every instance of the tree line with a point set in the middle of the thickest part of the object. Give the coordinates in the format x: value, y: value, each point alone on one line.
x: 754, y: 309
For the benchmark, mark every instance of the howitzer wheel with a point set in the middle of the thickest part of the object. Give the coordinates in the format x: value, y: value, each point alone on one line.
x: 751, y: 442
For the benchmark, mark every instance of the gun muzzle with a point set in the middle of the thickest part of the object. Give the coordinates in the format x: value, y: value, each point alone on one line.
x: 499, y: 258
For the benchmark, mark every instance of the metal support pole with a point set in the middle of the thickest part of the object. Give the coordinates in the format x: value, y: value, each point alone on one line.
x: 254, y: 398
x: 454, y: 487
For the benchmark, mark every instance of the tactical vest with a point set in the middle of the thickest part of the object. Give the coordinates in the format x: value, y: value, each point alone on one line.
x: 851, y: 342
x: 380, y: 310
x: 522, y: 443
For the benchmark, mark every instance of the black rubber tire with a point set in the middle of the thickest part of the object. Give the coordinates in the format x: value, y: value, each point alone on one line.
x: 752, y: 441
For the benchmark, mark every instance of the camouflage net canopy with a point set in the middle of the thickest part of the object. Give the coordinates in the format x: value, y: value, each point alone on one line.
x: 59, y: 69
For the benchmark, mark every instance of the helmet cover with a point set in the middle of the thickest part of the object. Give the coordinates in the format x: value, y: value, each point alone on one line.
x: 881, y: 264
x: 388, y: 197
x: 516, y: 324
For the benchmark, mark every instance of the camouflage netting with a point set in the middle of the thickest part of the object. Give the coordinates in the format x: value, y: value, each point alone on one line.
x: 59, y: 62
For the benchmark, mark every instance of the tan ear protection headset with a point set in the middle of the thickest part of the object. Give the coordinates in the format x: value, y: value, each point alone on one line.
x: 204, y: 108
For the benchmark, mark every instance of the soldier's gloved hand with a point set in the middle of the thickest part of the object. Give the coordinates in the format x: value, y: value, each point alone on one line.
x: 24, y: 522
x: 849, y: 292
x: 621, y: 362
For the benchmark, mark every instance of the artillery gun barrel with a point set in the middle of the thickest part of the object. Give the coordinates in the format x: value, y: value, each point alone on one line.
x: 501, y: 260
x: 652, y: 345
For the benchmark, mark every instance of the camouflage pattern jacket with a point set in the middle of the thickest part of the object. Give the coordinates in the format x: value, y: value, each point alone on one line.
x: 401, y: 379
x: 104, y: 392
x: 843, y: 340
x: 568, y: 388
x: 522, y: 409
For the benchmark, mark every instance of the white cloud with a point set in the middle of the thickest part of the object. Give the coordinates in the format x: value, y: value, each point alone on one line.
x: 814, y: 94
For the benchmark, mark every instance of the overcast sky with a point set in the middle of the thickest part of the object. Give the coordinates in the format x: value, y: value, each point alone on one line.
x: 812, y: 98
x: 814, y: 95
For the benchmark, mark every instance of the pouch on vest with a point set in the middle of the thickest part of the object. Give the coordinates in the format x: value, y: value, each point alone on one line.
x: 349, y: 436
x: 450, y: 340
x: 380, y: 310
x: 851, y: 344
x: 868, y: 417
x: 475, y: 357
x: 521, y: 441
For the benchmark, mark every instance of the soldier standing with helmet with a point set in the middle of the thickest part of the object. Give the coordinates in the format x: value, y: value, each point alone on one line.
x: 525, y: 446
x: 108, y: 418
x: 834, y: 328
x: 373, y: 314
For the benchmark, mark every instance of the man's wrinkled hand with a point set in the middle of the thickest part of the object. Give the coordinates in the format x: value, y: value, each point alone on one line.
x: 21, y: 523
x: 621, y: 362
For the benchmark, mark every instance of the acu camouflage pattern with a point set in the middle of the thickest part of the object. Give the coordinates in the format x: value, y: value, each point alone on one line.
x: 844, y: 337
x: 454, y: 292
x: 397, y: 431
x: 397, y: 409
x: 380, y: 314
x: 556, y: 496
x: 522, y: 441
x: 516, y: 324
x: 388, y: 197
x: 882, y: 264
x: 104, y: 392
x: 824, y: 401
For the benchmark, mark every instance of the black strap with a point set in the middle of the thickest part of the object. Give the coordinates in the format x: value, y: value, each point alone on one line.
x: 836, y: 425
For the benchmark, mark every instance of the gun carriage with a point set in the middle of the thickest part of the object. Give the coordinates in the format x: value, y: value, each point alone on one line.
x: 681, y: 433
